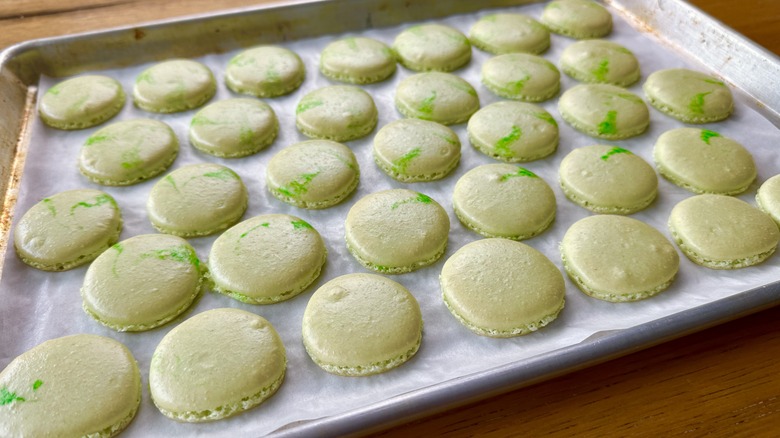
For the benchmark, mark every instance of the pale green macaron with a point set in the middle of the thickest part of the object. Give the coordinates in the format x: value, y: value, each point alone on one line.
x: 313, y: 174
x: 521, y: 76
x: 234, y: 128
x: 396, y: 231
x: 432, y: 47
x: 513, y: 131
x: 128, y: 152
x: 357, y: 60
x: 704, y: 161
x: 413, y: 150
x: 361, y: 324
x: 216, y: 364
x: 500, y: 288
x: 600, y: 61
x: 608, y: 179
x: 509, y: 33
x: 604, y: 111
x: 173, y: 86
x: 266, y: 259
x: 197, y: 200
x: 577, y: 18
x: 688, y: 95
x: 503, y: 200
x: 618, y: 258
x: 67, y: 230
x: 336, y: 112
x: 768, y: 197
x: 723, y: 232
x: 438, y: 97
x: 265, y: 71
x: 73, y: 386
x: 142, y: 282
x: 81, y: 102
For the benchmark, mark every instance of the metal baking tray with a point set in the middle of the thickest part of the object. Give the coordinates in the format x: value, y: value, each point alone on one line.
x: 753, y: 73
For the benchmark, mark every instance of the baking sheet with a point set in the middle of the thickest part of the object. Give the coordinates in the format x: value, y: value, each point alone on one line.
x: 39, y: 305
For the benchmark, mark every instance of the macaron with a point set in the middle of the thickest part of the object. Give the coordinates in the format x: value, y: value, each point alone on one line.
x: 74, y: 386
x: 266, y: 259
x: 413, y: 150
x: 336, y: 112
x: 689, y: 96
x: 577, y: 18
x: 704, y: 161
x: 600, y: 61
x: 313, y: 174
x: 723, y: 232
x: 197, y: 200
x: 438, y: 97
x: 618, y: 258
x: 521, y: 76
x: 768, y: 197
x: 513, y: 131
x: 142, y: 282
x: 604, y: 111
x: 67, y: 229
x: 503, y: 200
x: 174, y: 86
x: 128, y: 152
x: 509, y: 33
x: 608, y: 179
x: 232, y: 128
x: 396, y: 231
x: 432, y: 47
x: 361, y: 324
x: 81, y: 102
x: 265, y: 71
x: 216, y: 364
x: 357, y: 60
x: 500, y: 288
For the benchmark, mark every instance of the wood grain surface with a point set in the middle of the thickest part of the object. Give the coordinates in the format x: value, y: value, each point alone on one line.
x: 723, y: 382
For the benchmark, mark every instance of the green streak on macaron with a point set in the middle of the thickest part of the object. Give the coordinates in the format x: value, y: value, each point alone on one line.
x: 423, y: 199
x: 706, y: 135
x: 601, y: 71
x: 37, y: 384
x: 96, y: 138
x: 301, y: 225
x: 223, y: 174
x: 502, y: 146
x: 697, y: 103
x: 402, y: 163
x: 609, y: 125
x: 7, y: 397
x: 180, y: 254
x: 426, y: 106
x: 614, y: 151
x: 546, y: 117
x: 99, y: 200
x: 307, y: 105
x: 520, y: 172
x: 50, y: 206
x: 299, y: 187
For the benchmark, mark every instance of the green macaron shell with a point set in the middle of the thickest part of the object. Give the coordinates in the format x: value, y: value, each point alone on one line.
x: 503, y: 200
x: 396, y: 231
x: 689, y: 96
x: 67, y: 230
x: 600, y: 61
x: 723, y: 232
x: 604, y: 111
x: 142, y: 282
x: 618, y: 259
x: 128, y: 152
x: 173, y: 86
x: 357, y: 60
x: 383, y: 314
x: 577, y: 18
x: 266, y: 259
x: 74, y: 386
x: 265, y: 71
x: 216, y: 364
x: 509, y: 33
x: 521, y: 76
x: 608, y: 179
x: 233, y: 127
x: 197, y: 200
x: 336, y: 112
x: 81, y: 102
x: 768, y: 197
x: 438, y: 97
x: 513, y: 131
x: 413, y: 150
x: 313, y: 174
x: 485, y: 288
x: 432, y: 47
x: 704, y: 161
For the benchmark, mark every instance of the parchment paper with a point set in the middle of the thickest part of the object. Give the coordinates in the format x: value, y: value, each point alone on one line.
x: 36, y: 306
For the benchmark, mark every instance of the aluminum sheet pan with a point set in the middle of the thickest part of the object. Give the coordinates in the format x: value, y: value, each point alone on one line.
x: 38, y: 306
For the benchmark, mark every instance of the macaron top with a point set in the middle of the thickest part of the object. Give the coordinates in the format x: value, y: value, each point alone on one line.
x: 768, y: 197
x: 336, y: 112
x: 81, y: 102
x: 233, y: 127
x: 688, y: 95
x: 438, y: 97
x: 432, y: 47
x: 173, y: 86
x: 509, y: 33
x: 521, y: 76
x: 577, y: 18
x: 604, y: 111
x: 600, y: 61
x: 265, y: 71
x: 357, y: 60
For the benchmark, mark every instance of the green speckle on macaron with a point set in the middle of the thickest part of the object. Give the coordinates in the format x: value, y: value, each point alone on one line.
x: 706, y: 135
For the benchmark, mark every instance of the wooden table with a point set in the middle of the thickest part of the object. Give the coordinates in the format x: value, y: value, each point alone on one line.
x: 724, y: 381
